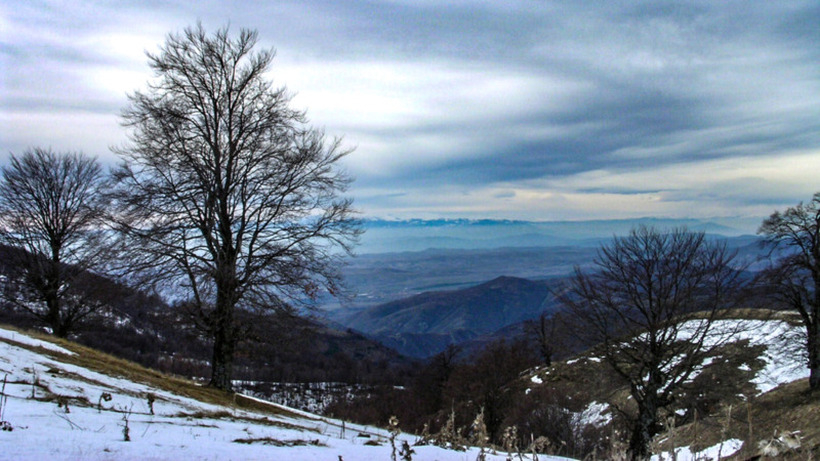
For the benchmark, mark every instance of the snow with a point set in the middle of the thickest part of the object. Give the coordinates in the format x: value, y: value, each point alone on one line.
x: 782, y: 364
x: 183, y: 428
x: 180, y: 428
x: 593, y: 415
x: 536, y: 379
x: 29, y: 341
x: 723, y: 449
x: 591, y: 359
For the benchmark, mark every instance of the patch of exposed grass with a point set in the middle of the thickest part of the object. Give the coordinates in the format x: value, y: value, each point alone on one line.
x: 281, y: 443
x: 789, y: 316
x: 790, y: 407
x: 279, y: 424
x: 715, y: 405
x: 63, y: 400
x: 204, y: 414
x: 261, y: 421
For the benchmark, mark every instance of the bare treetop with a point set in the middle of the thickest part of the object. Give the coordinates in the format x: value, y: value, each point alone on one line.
x: 225, y: 189
x: 52, y: 208
x: 650, y: 303
x: 795, y: 275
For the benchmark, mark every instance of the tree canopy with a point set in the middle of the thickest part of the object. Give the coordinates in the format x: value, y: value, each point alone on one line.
x: 229, y: 199
x: 52, y: 211
x: 650, y: 303
x: 795, y: 274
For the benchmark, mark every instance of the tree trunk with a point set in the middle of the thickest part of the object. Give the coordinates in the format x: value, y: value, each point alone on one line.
x: 223, y: 329
x: 61, y: 329
x: 644, y: 430
x: 222, y: 360
x: 224, y: 342
x: 814, y: 355
x: 814, y: 334
x: 55, y: 275
x: 53, y: 316
x: 52, y: 299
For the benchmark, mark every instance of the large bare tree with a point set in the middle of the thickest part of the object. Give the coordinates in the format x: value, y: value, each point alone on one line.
x: 796, y: 272
x: 51, y: 213
x: 228, y: 200
x: 651, y: 302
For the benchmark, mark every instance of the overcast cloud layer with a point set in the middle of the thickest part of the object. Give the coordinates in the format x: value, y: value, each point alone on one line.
x: 528, y: 110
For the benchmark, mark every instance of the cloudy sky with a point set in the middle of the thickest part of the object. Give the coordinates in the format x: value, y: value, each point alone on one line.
x: 537, y: 110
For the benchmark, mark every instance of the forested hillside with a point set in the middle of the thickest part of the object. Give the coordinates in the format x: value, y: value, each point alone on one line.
x: 149, y: 331
x: 425, y: 324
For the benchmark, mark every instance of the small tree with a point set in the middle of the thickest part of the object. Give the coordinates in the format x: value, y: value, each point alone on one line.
x: 795, y: 275
x: 548, y: 332
x: 51, y: 213
x: 429, y: 385
x: 482, y: 384
x: 651, y: 305
x: 226, y: 198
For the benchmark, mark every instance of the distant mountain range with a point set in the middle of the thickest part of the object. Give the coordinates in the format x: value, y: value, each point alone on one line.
x: 425, y: 324
x: 383, y: 236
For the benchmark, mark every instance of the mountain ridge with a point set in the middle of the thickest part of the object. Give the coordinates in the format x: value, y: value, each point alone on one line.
x: 386, y: 235
x: 426, y: 323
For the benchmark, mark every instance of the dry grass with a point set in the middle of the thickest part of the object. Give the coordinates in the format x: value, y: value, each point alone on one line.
x: 792, y: 317
x: 107, y: 364
x: 790, y: 407
x: 789, y: 316
x: 716, y: 390
x: 281, y: 443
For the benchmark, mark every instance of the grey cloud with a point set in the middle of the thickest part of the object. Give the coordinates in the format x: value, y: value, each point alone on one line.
x: 657, y: 108
x: 653, y: 83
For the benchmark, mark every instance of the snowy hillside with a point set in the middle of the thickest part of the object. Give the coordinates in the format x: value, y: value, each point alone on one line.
x: 759, y: 372
x: 54, y: 409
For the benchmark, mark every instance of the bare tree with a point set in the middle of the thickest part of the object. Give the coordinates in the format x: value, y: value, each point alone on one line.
x: 549, y: 334
x: 796, y: 273
x: 651, y: 305
x: 228, y: 199
x: 51, y: 212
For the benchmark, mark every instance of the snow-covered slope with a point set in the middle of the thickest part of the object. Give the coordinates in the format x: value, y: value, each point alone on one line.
x: 751, y: 371
x: 55, y: 410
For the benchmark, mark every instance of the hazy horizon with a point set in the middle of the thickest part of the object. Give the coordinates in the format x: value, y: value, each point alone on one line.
x: 391, y: 236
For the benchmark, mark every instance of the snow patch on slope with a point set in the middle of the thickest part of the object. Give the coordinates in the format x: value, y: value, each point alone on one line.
x: 12, y: 335
x: 57, y: 411
x: 719, y: 451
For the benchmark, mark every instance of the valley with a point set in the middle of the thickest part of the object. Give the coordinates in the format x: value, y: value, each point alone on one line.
x: 420, y: 302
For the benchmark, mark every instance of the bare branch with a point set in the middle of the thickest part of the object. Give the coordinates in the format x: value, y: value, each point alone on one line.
x: 226, y: 197
x: 51, y: 212
x: 651, y: 303
x: 794, y: 275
